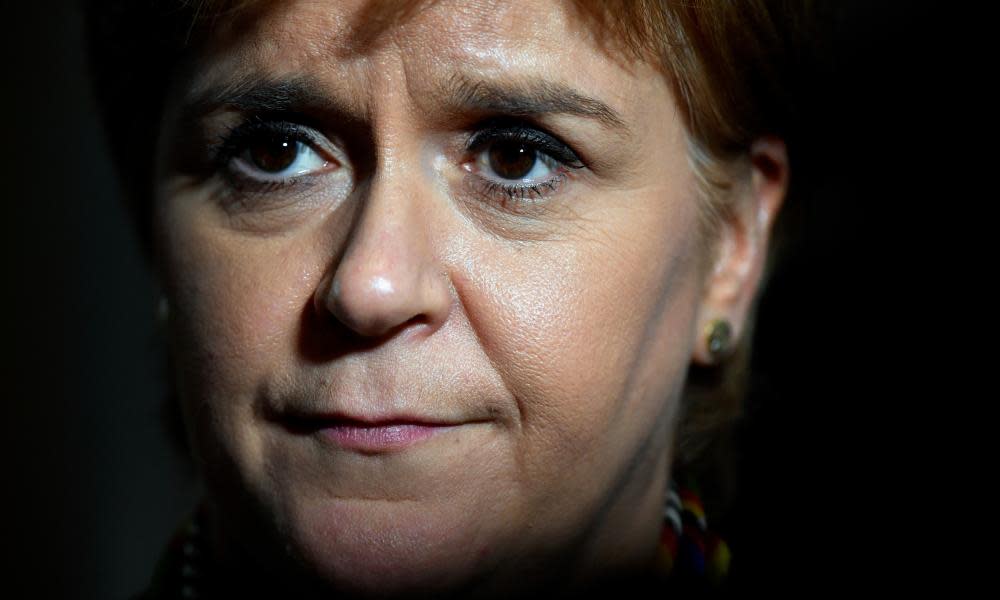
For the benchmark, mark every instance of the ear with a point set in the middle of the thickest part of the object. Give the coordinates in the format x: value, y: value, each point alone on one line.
x: 733, y: 280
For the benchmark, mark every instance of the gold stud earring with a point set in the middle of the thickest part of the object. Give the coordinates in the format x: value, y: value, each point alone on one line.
x: 719, y: 335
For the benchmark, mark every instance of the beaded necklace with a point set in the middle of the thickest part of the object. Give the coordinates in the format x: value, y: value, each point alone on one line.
x: 686, y: 544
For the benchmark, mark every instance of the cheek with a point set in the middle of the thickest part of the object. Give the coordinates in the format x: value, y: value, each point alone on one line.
x: 236, y: 303
x: 592, y: 334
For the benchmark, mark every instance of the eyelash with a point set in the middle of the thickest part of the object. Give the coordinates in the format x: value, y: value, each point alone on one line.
x: 548, y: 149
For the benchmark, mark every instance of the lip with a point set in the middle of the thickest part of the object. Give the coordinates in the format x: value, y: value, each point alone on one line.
x: 369, y: 435
x: 378, y: 438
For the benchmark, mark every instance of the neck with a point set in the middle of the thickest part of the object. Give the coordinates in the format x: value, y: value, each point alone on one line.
x: 626, y: 544
x: 620, y: 549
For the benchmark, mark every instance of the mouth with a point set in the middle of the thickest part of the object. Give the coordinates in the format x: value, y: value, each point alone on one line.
x: 368, y: 436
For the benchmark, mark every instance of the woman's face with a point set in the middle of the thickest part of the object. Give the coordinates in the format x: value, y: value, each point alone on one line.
x: 434, y: 288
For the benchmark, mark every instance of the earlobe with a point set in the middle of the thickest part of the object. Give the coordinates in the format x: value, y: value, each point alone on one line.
x: 733, y: 282
x: 162, y: 310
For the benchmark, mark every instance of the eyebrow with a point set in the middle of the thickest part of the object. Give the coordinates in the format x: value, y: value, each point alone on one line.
x: 258, y: 94
x: 535, y: 97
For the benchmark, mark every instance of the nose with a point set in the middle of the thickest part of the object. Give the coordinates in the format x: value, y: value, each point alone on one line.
x: 389, y: 277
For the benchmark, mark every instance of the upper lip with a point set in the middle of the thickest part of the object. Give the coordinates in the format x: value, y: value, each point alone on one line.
x: 308, y: 422
x: 357, y: 401
x: 342, y: 418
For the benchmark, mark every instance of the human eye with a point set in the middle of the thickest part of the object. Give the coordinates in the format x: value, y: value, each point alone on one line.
x: 519, y: 163
x: 264, y: 155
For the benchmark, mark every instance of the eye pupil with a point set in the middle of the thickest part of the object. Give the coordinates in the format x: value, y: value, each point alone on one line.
x: 512, y: 160
x: 273, y: 155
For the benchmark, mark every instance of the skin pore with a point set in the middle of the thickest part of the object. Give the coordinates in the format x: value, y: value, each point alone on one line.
x: 475, y: 217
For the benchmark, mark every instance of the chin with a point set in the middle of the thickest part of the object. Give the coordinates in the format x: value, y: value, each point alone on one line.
x: 376, y: 548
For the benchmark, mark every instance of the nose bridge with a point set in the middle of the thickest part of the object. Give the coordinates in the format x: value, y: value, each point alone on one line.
x: 389, y: 275
x: 378, y: 243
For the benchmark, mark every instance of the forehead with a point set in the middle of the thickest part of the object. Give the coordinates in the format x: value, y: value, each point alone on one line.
x: 304, y: 31
x: 360, y: 42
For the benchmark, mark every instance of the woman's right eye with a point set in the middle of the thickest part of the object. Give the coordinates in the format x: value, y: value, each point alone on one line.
x: 273, y: 153
x: 281, y: 158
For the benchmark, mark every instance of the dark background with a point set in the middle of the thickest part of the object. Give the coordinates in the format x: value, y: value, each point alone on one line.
x: 95, y: 489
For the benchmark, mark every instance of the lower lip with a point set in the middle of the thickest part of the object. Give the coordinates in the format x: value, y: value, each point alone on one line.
x: 380, y: 438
